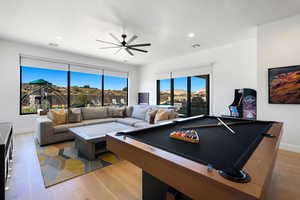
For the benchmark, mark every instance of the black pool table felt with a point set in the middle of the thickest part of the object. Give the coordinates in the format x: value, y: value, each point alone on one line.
x: 217, y: 147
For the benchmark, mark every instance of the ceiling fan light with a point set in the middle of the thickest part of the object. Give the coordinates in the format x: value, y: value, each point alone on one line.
x: 191, y: 35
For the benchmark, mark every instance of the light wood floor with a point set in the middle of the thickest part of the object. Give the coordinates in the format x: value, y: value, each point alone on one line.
x: 120, y: 181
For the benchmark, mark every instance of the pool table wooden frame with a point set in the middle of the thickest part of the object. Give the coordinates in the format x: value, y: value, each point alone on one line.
x: 192, y: 178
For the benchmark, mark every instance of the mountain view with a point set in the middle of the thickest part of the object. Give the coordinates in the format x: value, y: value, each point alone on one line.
x: 45, y: 88
x: 198, y: 94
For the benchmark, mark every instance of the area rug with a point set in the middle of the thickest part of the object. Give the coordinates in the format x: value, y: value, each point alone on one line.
x: 61, y: 162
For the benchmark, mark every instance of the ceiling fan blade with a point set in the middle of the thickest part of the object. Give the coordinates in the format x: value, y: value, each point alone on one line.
x: 135, y: 49
x: 108, y: 42
x: 129, y: 51
x: 117, y: 51
x: 131, y: 39
x: 115, y: 38
x: 108, y: 47
x: 139, y: 45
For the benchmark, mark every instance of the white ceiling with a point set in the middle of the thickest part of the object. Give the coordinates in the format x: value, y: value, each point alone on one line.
x: 164, y: 23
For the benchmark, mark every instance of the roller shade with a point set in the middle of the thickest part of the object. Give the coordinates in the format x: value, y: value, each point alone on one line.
x: 40, y: 63
x: 193, y: 71
x: 115, y: 73
x: 78, y: 68
x: 163, y: 75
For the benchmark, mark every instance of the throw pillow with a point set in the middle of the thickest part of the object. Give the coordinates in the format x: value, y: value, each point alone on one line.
x: 59, y: 116
x: 139, y: 112
x: 74, y: 115
x: 173, y: 114
x: 150, y: 114
x: 161, y: 115
x: 49, y: 115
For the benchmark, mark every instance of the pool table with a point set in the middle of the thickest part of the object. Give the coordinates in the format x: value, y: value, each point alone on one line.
x: 233, y: 159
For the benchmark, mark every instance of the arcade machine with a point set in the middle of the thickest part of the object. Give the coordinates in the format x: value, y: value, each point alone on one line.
x: 244, y: 104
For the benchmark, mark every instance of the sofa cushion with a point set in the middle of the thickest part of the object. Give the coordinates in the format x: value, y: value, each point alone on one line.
x: 129, y: 121
x: 94, y: 113
x: 98, y: 121
x: 128, y: 111
x: 74, y: 115
x: 115, y: 111
x: 142, y: 124
x: 64, y: 127
x: 139, y: 112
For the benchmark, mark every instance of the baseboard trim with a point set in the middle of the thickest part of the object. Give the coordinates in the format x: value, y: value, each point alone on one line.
x: 290, y: 147
x: 23, y: 132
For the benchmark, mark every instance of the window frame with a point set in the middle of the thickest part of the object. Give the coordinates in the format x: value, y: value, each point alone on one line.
x: 68, y: 89
x: 20, y: 99
x: 189, y: 92
x: 103, y: 83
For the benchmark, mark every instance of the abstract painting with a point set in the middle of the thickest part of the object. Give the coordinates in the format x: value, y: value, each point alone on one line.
x: 284, y: 85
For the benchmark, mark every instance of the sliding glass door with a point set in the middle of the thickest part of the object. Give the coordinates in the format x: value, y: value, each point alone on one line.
x: 199, y: 95
x: 189, y: 94
x: 164, y: 92
x: 181, y: 94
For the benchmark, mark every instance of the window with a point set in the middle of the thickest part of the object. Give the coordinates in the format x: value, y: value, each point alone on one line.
x: 115, y: 90
x: 189, y: 94
x: 164, y: 92
x: 54, y: 85
x: 86, y: 89
x: 42, y: 89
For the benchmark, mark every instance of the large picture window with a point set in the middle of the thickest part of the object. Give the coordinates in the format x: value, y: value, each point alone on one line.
x: 42, y: 88
x: 86, y: 89
x: 189, y: 94
x: 115, y: 90
x: 69, y: 86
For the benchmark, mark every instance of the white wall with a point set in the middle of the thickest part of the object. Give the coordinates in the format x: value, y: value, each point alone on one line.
x: 278, y: 45
x: 234, y: 66
x: 10, y: 79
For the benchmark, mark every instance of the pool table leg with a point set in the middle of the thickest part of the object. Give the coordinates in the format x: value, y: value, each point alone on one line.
x: 153, y: 188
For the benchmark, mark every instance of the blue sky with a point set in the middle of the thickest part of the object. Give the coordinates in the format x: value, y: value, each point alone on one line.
x: 181, y: 84
x: 59, y: 78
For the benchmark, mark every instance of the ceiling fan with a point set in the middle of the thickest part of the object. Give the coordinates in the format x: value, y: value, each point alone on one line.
x: 123, y: 44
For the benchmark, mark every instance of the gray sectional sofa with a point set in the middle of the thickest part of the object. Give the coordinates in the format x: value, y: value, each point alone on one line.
x: 136, y: 116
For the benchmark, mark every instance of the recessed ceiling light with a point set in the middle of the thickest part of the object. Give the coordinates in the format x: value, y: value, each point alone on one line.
x: 191, y: 35
x: 53, y: 44
x: 196, y: 45
x: 59, y: 38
